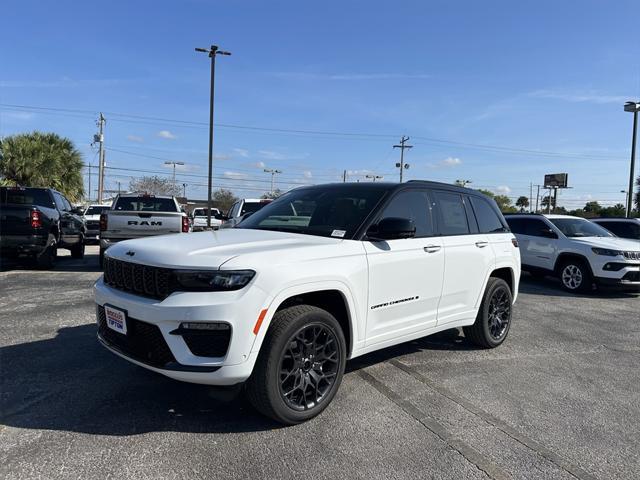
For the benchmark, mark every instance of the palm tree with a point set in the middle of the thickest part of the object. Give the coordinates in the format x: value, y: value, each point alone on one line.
x: 40, y: 159
x: 522, y: 202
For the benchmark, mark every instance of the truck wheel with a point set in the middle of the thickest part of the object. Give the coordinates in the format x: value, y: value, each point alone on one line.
x: 300, y: 365
x: 46, y: 259
x: 494, y: 316
x: 575, y: 276
x: 101, y: 258
x: 77, y: 251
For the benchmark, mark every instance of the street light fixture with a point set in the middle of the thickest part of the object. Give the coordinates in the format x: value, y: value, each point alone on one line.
x: 633, y: 107
x: 374, y: 177
x: 273, y: 173
x: 212, y: 52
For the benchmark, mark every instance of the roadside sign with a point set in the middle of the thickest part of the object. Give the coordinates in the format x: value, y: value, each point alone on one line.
x: 556, y: 180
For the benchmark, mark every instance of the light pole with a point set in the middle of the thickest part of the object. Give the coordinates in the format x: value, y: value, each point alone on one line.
x: 184, y: 190
x: 174, y: 171
x: 273, y: 174
x: 633, y: 107
x: 374, y: 177
x: 463, y: 183
x: 625, y: 196
x: 212, y: 52
x: 401, y: 165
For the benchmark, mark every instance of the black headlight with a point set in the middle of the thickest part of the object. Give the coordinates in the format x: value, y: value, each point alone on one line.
x: 212, y: 280
x: 606, y: 252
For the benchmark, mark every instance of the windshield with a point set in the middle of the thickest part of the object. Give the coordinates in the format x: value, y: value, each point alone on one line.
x: 95, y: 210
x: 576, y: 227
x: 146, y: 204
x: 332, y: 211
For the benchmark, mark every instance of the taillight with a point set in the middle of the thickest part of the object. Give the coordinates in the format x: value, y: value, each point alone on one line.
x: 103, y: 222
x: 185, y: 224
x: 35, y: 219
x: 515, y: 242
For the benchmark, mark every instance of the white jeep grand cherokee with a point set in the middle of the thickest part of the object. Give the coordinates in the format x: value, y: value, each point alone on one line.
x: 323, y: 274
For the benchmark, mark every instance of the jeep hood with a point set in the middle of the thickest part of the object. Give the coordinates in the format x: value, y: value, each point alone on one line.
x: 612, y: 243
x: 211, y: 249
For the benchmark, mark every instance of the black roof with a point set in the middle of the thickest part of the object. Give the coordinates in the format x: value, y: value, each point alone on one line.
x: 384, y: 186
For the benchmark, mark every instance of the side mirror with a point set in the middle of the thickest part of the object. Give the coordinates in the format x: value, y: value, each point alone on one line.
x: 392, y: 228
x: 548, y: 233
x: 78, y: 211
x: 219, y: 216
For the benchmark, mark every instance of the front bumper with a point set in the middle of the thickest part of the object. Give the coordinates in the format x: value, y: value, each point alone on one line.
x: 616, y: 272
x: 239, y: 309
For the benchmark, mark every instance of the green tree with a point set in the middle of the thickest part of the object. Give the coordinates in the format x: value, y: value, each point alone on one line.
x: 504, y: 202
x: 40, y: 159
x: 223, y: 199
x: 592, y: 208
x: 522, y: 202
x: 154, y: 185
x: 272, y: 195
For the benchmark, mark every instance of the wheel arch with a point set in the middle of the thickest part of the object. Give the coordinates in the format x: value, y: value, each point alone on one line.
x: 571, y: 256
x: 335, y: 298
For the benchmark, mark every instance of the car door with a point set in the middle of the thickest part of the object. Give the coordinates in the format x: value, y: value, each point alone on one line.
x: 540, y: 246
x: 468, y: 256
x: 405, y: 275
x: 68, y: 231
x: 491, y: 223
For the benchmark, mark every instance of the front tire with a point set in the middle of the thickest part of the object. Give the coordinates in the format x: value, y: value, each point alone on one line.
x: 494, y: 316
x: 300, y: 365
x: 575, y: 276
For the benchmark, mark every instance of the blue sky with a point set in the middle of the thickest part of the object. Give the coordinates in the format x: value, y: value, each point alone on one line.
x: 544, y: 81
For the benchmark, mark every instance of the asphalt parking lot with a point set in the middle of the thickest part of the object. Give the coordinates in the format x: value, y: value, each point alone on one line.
x: 560, y: 399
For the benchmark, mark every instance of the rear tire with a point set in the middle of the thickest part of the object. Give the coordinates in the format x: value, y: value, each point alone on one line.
x: 77, y: 251
x: 494, y: 316
x: 46, y: 259
x: 575, y: 276
x: 300, y: 365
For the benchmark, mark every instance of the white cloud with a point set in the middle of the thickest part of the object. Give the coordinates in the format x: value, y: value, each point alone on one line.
x: 502, y: 190
x: 258, y: 165
x: 135, y: 138
x: 271, y: 155
x: 588, y: 96
x: 307, y: 174
x: 166, y: 134
x: 234, y: 175
x: 241, y: 152
x: 450, y: 162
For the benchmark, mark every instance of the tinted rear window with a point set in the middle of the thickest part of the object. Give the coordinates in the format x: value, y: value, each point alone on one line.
x: 146, y: 204
x: 95, y: 210
x: 622, y: 229
x: 414, y: 205
x: 517, y: 225
x: 488, y: 219
x: 452, y: 218
x: 252, y: 207
x: 26, y: 196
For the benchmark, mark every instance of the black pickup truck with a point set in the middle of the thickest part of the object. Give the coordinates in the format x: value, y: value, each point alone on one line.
x: 35, y: 222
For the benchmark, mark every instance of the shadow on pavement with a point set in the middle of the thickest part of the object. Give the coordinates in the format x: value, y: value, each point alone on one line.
x: 71, y: 383
x: 64, y: 263
x: 550, y: 286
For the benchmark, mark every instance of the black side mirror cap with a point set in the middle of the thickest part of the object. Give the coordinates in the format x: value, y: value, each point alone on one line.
x: 392, y: 228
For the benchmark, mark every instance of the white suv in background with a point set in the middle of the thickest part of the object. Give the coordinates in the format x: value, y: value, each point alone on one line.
x: 576, y: 250
x: 320, y: 275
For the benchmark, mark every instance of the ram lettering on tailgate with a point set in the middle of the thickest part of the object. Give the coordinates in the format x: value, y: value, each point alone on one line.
x: 143, y: 222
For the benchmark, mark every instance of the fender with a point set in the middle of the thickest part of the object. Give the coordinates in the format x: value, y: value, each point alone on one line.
x: 274, y: 302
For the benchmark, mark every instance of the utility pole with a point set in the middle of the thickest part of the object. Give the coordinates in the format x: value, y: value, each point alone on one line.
x: 174, y: 172
x: 99, y: 137
x: 537, y: 198
x: 212, y: 52
x: 374, y: 177
x: 633, y: 107
x: 184, y: 190
x: 89, y: 167
x: 530, y: 196
x: 463, y: 183
x: 344, y: 176
x: 119, y: 187
x: 401, y: 165
x: 273, y: 173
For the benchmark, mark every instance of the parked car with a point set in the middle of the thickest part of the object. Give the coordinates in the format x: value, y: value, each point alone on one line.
x: 321, y: 275
x: 138, y: 216
x: 576, y: 250
x: 91, y: 216
x: 35, y: 222
x: 199, y: 219
x: 621, y: 227
x: 242, y: 209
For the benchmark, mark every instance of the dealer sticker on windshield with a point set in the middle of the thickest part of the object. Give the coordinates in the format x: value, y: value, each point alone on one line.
x: 338, y: 233
x: 116, y: 319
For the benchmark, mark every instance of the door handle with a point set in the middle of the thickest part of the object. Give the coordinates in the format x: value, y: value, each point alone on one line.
x: 432, y: 248
x: 481, y: 244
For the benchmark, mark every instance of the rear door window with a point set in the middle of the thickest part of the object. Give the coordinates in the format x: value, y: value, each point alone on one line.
x: 451, y: 214
x: 517, y: 225
x: 488, y: 220
x: 534, y: 227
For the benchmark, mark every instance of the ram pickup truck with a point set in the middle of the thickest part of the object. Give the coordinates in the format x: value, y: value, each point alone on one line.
x: 138, y: 216
x: 92, y: 219
x: 323, y: 274
x: 199, y: 219
x: 35, y: 222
